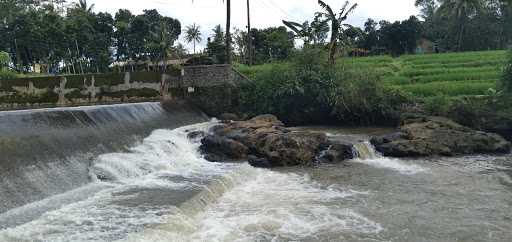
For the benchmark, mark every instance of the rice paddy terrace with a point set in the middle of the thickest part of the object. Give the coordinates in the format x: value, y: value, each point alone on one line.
x: 450, y: 74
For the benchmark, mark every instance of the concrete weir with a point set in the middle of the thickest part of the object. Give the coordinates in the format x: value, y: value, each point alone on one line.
x: 48, y: 151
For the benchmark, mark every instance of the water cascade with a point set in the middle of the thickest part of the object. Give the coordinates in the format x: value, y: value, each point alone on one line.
x: 47, y: 152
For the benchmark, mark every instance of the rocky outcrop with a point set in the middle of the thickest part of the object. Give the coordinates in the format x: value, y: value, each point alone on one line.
x: 425, y: 136
x: 264, y: 142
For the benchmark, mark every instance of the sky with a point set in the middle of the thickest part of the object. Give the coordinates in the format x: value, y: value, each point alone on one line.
x: 264, y: 13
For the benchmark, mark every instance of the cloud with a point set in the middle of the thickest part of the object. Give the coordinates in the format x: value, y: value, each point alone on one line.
x: 264, y: 13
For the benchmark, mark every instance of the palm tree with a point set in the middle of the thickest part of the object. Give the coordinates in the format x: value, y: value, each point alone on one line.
x: 461, y: 10
x: 228, y: 30
x: 336, y: 25
x: 82, y: 4
x: 193, y: 34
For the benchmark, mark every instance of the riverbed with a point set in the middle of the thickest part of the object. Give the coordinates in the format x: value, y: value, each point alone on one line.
x: 161, y: 189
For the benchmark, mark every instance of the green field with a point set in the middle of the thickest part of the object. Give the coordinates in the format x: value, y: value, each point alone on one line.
x: 451, y: 74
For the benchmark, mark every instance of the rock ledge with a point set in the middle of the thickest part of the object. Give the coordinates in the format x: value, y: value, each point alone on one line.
x: 420, y: 136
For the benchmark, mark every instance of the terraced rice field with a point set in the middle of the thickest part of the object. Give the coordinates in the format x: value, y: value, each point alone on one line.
x: 453, y: 74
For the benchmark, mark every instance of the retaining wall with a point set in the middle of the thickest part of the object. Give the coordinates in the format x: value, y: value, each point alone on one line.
x: 206, y: 86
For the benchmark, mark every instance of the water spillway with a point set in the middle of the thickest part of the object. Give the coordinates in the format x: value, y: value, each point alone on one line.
x: 153, y: 185
x: 47, y: 152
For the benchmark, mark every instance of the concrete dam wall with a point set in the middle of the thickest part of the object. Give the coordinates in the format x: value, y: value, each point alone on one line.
x: 48, y: 151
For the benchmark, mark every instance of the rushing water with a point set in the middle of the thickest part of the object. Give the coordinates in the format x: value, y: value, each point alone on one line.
x: 161, y: 189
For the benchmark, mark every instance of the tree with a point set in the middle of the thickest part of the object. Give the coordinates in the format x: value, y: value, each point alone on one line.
x: 336, y: 25
x: 241, y: 44
x: 193, y: 35
x: 302, y: 31
x: 228, y: 32
x: 179, y: 51
x: 371, y: 36
x: 272, y: 44
x: 216, y: 47
x: 5, y: 60
x: 401, y: 36
x: 460, y: 10
x: 82, y: 4
x: 319, y: 29
x: 122, y: 23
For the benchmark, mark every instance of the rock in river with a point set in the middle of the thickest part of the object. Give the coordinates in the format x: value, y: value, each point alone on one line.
x: 425, y: 136
x: 265, y: 142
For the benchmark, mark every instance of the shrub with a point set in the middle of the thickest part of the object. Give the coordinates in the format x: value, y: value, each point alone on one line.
x: 359, y: 97
x: 296, y: 93
x: 6, y: 74
x: 4, y: 60
x: 506, y: 79
x: 307, y: 91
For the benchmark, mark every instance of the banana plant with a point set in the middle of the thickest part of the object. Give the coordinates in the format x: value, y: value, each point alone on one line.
x: 336, y: 25
x: 302, y: 31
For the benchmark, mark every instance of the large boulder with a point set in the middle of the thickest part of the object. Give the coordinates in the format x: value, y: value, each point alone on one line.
x: 265, y: 142
x: 219, y: 149
x: 337, y: 152
x: 425, y: 136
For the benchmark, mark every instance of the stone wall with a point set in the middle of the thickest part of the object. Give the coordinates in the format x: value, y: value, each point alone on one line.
x: 191, y: 82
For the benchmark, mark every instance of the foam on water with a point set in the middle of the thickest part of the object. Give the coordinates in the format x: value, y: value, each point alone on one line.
x: 366, y: 154
x: 166, y: 162
x: 272, y: 206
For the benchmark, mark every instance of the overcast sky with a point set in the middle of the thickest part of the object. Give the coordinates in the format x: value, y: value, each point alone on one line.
x: 264, y: 13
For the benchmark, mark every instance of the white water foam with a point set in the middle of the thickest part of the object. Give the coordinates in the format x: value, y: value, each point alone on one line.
x: 366, y: 154
x: 167, y: 160
x: 272, y: 206
x: 263, y: 205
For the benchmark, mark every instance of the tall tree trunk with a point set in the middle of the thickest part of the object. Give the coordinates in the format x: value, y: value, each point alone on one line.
x: 228, y: 32
x: 194, y: 47
x: 249, y: 39
x: 334, y: 42
x: 461, y: 34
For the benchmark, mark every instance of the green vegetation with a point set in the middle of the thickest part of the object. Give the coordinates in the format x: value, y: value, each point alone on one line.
x: 506, y: 80
x: 453, y: 74
x: 308, y: 90
x: 4, y: 64
x: 374, y: 89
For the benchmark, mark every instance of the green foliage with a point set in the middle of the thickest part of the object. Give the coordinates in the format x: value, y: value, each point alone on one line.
x: 5, y: 60
x: 437, y: 105
x: 307, y: 90
x: 6, y: 75
x: 337, y: 25
x: 401, y: 36
x: 506, y: 79
x: 296, y: 92
x: 193, y: 34
x: 271, y: 44
x: 375, y: 89
x: 216, y: 47
x: 75, y: 38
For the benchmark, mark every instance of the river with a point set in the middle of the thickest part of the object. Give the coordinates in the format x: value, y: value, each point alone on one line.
x: 161, y: 189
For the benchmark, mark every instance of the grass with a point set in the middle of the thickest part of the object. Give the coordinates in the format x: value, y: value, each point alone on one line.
x: 449, y: 74
x: 429, y: 75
